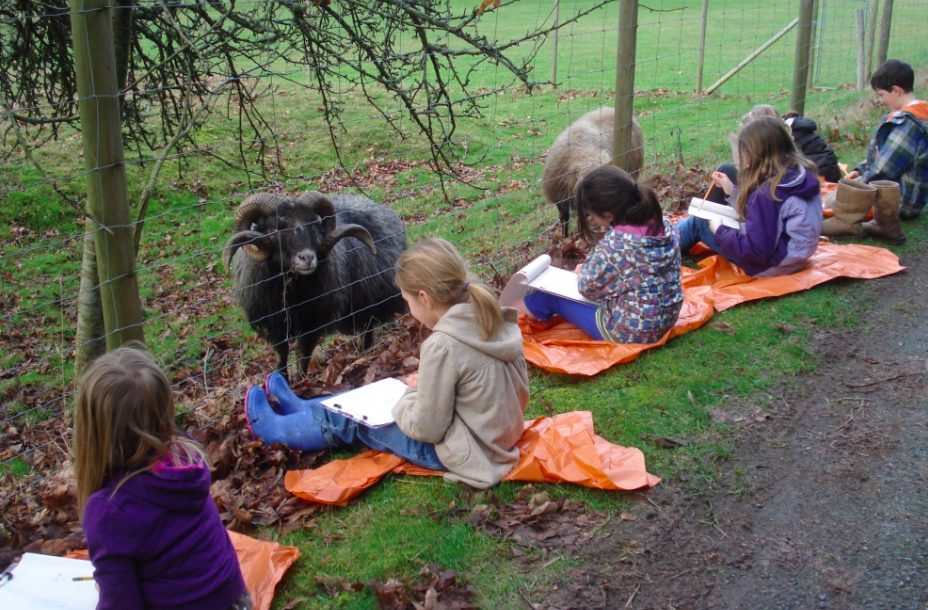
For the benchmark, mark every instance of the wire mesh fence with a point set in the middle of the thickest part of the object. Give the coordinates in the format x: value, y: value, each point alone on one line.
x: 443, y: 115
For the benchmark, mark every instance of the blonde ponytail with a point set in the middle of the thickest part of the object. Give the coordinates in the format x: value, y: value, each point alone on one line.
x: 435, y: 267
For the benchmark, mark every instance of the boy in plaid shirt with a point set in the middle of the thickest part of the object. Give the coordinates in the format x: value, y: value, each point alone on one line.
x: 899, y: 149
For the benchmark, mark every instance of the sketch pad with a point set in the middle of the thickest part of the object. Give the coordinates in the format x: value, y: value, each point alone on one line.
x: 371, y: 405
x: 540, y: 275
x: 714, y: 211
x: 43, y: 582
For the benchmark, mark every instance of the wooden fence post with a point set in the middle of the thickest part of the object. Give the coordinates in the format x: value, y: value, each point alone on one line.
x: 702, y: 46
x: 885, y: 22
x: 812, y: 51
x: 625, y: 83
x: 801, y: 67
x: 107, y: 192
x: 871, y: 37
x: 861, y: 48
x: 557, y: 6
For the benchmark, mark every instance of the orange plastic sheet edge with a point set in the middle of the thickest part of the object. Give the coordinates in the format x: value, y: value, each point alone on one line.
x: 263, y: 565
x: 559, y: 449
x: 717, y: 285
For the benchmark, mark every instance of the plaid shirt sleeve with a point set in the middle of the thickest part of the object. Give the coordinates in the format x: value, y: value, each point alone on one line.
x: 895, y: 154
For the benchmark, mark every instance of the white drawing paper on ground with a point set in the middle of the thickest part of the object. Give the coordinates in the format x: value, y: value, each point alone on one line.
x: 371, y: 405
x: 43, y: 582
x: 714, y: 211
x: 540, y: 275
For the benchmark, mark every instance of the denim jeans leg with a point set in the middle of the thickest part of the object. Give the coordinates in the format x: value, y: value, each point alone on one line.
x: 692, y: 230
x: 341, y: 430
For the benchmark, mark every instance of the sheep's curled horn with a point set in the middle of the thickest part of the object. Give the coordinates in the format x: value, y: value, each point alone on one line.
x: 321, y: 205
x: 254, y: 243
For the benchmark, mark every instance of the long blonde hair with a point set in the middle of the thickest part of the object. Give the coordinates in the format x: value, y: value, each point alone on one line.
x: 435, y: 267
x: 124, y: 421
x: 766, y: 150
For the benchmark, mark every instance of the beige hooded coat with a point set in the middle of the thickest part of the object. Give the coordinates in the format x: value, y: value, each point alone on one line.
x: 470, y: 398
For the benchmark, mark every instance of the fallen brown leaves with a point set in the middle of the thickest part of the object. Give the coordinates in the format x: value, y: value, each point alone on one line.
x: 535, y: 520
x: 433, y: 589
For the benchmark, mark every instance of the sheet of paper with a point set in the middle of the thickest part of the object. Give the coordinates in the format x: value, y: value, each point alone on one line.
x: 714, y: 211
x: 371, y: 405
x: 560, y: 282
x: 43, y: 582
x: 517, y: 286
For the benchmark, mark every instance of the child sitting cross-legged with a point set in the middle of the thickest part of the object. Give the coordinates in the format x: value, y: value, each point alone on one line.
x: 153, y: 531
x: 462, y: 413
x: 899, y: 148
x: 634, y: 270
x: 779, y: 202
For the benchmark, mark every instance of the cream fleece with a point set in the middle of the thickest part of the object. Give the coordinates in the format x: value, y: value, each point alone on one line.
x: 470, y: 398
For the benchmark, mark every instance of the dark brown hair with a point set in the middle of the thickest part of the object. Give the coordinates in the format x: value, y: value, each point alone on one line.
x: 893, y: 73
x: 610, y: 190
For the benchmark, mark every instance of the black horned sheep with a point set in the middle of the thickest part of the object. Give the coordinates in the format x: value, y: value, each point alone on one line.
x: 312, y: 266
x: 582, y: 147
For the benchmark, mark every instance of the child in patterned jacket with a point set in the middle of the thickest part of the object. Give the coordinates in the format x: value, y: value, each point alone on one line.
x: 633, y: 272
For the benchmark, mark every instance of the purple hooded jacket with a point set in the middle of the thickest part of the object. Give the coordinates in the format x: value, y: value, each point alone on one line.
x: 777, y: 237
x: 158, y: 543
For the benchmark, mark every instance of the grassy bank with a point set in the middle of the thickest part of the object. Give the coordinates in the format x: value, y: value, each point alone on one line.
x: 403, y: 523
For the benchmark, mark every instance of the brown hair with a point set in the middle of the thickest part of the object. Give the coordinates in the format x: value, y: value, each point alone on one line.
x: 767, y: 151
x: 611, y: 190
x: 124, y: 421
x: 435, y: 267
x: 893, y: 73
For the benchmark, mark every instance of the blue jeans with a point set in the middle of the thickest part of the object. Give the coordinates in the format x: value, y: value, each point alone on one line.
x: 341, y: 430
x: 692, y: 230
x: 582, y: 315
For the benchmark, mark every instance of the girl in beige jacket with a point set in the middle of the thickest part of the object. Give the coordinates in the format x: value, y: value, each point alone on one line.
x: 462, y: 413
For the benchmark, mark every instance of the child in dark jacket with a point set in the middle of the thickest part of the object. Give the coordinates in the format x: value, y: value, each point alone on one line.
x: 813, y: 146
x: 153, y: 531
x: 807, y: 141
x: 778, y: 199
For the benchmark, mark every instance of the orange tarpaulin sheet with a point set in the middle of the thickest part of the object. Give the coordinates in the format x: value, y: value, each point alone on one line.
x: 263, y: 565
x: 559, y: 449
x: 730, y: 286
x: 561, y: 347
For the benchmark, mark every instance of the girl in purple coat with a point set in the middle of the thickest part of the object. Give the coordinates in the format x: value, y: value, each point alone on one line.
x: 777, y: 198
x: 154, y: 534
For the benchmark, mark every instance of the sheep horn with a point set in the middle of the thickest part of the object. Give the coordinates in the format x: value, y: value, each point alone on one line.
x: 321, y: 205
x: 356, y: 231
x: 254, y: 206
x: 248, y: 241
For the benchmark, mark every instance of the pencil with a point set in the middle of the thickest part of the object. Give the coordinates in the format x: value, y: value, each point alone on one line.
x: 79, y: 578
x: 709, y: 190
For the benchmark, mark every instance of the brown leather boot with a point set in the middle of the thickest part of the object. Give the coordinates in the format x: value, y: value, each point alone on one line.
x: 852, y: 203
x: 885, y: 224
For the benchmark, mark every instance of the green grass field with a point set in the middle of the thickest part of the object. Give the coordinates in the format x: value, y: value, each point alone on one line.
x: 401, y: 524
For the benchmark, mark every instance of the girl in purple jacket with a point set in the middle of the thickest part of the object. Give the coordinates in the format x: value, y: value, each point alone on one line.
x: 154, y: 534
x: 779, y: 202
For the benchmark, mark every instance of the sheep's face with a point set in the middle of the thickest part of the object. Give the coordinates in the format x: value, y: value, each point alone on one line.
x: 295, y: 235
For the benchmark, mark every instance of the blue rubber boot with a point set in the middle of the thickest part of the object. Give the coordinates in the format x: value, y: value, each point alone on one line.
x: 288, y: 403
x: 300, y: 431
